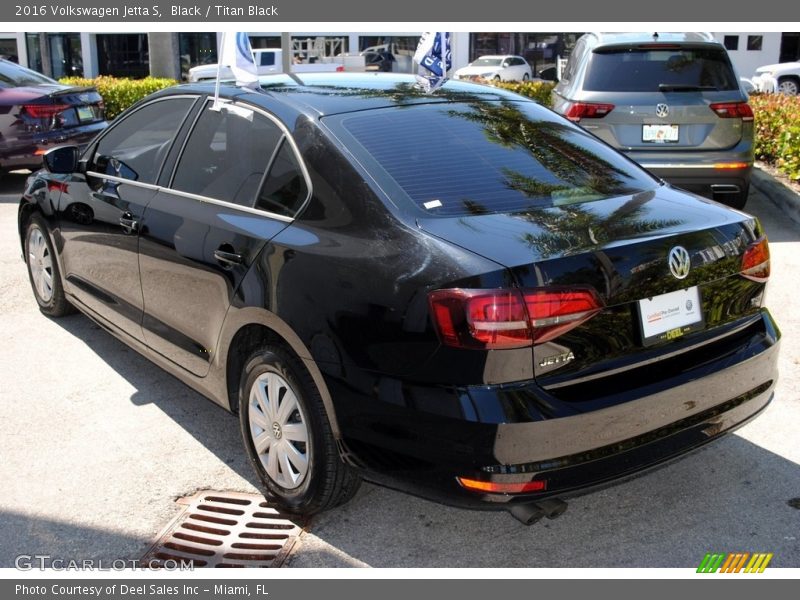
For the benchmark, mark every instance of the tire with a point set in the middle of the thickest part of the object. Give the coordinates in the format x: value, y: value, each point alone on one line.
x: 525, y: 77
x: 740, y: 199
x: 497, y: 78
x: 789, y: 86
x: 279, y: 408
x: 43, y: 270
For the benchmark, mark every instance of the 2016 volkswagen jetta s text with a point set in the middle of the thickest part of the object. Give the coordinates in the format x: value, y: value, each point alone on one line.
x: 462, y: 295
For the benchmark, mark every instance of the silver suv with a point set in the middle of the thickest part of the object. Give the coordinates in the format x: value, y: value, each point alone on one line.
x: 670, y: 101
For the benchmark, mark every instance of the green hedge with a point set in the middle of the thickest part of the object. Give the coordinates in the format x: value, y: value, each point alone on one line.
x: 119, y: 93
x: 777, y: 119
x: 777, y: 124
x: 538, y: 90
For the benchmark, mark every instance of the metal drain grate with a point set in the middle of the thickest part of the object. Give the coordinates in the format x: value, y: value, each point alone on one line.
x: 226, y: 529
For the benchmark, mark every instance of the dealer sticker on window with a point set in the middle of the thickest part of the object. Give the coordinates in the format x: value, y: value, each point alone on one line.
x: 670, y: 316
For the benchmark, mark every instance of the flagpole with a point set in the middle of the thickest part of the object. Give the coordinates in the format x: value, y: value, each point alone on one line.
x: 215, y: 106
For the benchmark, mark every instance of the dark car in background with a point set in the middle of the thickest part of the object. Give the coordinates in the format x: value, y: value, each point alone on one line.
x: 670, y: 101
x: 37, y: 113
x: 462, y: 295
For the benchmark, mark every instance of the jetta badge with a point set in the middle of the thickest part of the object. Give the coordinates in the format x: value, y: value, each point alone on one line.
x: 679, y: 262
x: 662, y: 110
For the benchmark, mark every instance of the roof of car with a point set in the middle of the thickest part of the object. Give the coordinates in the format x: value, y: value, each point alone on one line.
x: 318, y: 94
x: 685, y: 37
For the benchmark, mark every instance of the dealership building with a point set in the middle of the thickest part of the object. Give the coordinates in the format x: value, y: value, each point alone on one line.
x: 172, y: 54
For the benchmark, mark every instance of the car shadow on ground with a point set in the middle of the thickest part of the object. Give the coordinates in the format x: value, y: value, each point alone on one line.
x: 11, y: 186
x: 211, y: 425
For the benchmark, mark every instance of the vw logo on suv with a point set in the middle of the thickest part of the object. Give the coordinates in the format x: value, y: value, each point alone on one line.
x: 679, y: 262
x: 662, y: 110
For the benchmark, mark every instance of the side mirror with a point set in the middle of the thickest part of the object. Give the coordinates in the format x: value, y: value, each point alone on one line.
x: 63, y: 159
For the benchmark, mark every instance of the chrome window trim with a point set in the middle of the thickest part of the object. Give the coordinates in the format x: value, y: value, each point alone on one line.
x: 286, y: 137
x: 160, y: 188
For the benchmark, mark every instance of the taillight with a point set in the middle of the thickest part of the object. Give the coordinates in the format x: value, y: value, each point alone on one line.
x: 588, y: 110
x: 44, y: 111
x: 732, y: 110
x: 755, y: 261
x: 509, y: 318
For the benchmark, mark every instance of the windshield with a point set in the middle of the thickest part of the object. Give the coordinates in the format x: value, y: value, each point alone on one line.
x: 12, y: 75
x: 488, y: 157
x: 647, y: 70
x: 487, y: 62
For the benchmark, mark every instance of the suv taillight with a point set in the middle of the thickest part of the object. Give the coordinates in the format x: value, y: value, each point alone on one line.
x: 732, y: 110
x: 755, y: 261
x: 588, y: 110
x: 509, y: 318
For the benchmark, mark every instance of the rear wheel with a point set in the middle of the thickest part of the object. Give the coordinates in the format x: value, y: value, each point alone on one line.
x: 789, y: 86
x: 287, y: 435
x: 43, y: 270
x: 525, y: 77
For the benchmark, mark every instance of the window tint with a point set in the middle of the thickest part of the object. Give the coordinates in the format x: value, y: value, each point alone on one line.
x: 135, y: 147
x: 285, y: 189
x: 226, y: 155
x: 635, y: 70
x: 489, y: 157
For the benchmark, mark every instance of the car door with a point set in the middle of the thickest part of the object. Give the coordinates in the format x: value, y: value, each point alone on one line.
x: 100, y: 211
x: 237, y: 184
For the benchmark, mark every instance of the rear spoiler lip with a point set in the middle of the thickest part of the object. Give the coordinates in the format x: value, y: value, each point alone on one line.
x: 73, y: 90
x: 621, y: 46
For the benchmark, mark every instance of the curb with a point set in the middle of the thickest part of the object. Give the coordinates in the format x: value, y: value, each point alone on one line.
x: 781, y: 195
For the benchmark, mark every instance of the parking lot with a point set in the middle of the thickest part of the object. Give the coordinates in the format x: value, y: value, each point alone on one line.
x: 97, y: 443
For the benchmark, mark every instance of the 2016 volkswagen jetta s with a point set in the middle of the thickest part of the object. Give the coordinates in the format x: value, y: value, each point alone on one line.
x: 462, y: 295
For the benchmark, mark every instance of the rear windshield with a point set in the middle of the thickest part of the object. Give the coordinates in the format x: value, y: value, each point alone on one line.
x: 488, y: 157
x: 12, y: 75
x: 643, y: 70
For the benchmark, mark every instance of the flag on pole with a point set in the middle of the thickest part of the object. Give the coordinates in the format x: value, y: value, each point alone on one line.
x: 434, y: 58
x: 236, y: 54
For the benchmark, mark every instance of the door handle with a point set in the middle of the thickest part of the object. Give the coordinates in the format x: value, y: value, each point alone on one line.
x: 128, y: 222
x: 228, y: 258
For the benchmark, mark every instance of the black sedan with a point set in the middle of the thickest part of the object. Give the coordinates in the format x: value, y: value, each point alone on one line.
x: 462, y: 295
x: 37, y: 113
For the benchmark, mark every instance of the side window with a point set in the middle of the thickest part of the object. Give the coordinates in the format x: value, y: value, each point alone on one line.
x: 267, y: 59
x: 136, y: 147
x: 226, y: 155
x: 285, y: 189
x: 572, y: 64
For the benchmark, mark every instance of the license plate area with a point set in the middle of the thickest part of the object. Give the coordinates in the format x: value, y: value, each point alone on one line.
x: 670, y: 316
x: 660, y: 134
x: 85, y: 113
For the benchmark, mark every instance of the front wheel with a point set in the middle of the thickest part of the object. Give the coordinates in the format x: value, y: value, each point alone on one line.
x: 525, y: 77
x: 43, y: 270
x: 287, y: 435
x: 789, y: 86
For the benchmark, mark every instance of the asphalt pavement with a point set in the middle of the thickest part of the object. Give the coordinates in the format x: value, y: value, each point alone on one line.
x: 96, y: 443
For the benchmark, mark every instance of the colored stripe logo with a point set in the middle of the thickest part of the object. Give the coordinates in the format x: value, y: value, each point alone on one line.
x: 735, y: 562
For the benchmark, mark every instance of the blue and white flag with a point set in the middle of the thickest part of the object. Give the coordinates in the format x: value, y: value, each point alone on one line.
x: 237, y: 54
x: 434, y: 58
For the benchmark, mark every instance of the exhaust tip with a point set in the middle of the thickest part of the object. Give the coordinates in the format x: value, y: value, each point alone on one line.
x: 552, y: 508
x: 527, y: 514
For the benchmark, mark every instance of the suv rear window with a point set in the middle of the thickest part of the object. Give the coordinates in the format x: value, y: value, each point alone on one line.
x: 487, y: 157
x: 651, y: 70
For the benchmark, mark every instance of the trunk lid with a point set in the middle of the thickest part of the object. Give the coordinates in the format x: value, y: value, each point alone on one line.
x: 620, y: 247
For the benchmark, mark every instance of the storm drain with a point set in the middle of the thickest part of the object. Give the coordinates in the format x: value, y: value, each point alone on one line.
x: 225, y: 529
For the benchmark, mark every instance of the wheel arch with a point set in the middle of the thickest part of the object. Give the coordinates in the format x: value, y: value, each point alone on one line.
x: 245, y: 330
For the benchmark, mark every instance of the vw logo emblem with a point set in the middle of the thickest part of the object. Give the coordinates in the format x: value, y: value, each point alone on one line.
x: 662, y: 110
x: 679, y: 262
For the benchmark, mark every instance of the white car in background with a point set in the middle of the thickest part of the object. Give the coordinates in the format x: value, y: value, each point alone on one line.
x: 506, y: 67
x: 782, y: 78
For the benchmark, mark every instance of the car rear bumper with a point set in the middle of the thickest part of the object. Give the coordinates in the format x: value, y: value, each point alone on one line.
x: 715, y: 175
x: 571, y: 454
x: 24, y: 152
